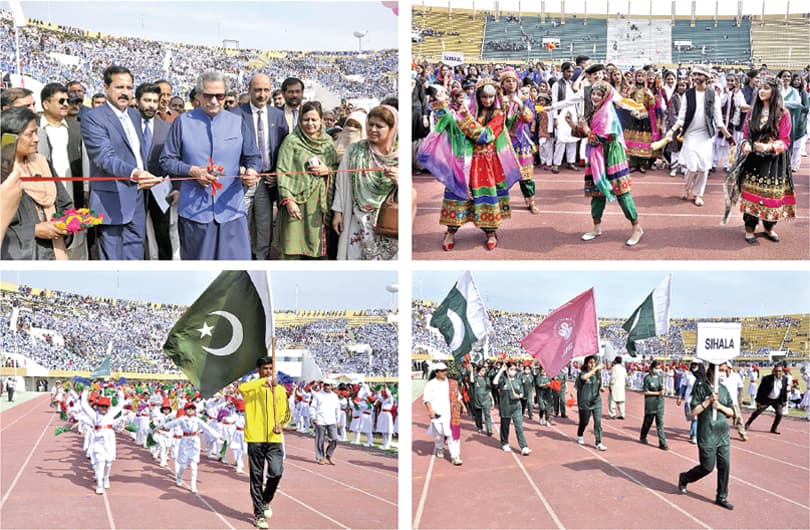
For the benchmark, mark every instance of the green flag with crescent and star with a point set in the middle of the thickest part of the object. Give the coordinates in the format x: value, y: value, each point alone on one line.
x: 222, y: 334
x: 461, y: 318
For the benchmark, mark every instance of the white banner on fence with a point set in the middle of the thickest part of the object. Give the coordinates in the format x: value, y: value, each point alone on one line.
x: 453, y: 58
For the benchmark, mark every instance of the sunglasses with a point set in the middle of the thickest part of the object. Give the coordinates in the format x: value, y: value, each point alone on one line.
x: 219, y: 97
x: 62, y: 101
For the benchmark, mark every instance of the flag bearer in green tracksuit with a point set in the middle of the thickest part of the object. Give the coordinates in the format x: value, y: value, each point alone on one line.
x: 589, y: 402
x: 558, y: 398
x: 653, y: 388
x: 481, y: 399
x: 510, y: 390
x: 541, y: 383
x: 712, y: 434
x: 527, y: 380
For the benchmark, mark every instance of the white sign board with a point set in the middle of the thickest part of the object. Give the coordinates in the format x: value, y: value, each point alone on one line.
x: 718, y: 342
x: 452, y: 58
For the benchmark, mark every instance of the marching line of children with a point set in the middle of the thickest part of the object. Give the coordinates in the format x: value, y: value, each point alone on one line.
x: 165, y: 420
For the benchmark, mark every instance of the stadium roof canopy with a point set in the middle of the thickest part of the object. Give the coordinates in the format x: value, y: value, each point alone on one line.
x: 703, y: 8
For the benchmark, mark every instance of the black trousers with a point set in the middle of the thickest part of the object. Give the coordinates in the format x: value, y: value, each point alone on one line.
x: 761, y: 407
x: 751, y: 222
x: 709, y: 458
x: 258, y: 454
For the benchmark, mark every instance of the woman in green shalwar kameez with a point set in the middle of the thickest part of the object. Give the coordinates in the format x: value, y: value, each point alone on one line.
x: 306, y: 164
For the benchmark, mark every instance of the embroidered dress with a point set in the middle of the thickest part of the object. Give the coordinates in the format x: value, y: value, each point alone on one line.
x: 638, y: 125
x: 607, y: 173
x: 488, y: 201
x: 767, y: 183
x: 519, y: 127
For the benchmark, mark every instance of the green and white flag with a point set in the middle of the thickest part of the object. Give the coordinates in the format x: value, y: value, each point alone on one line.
x: 461, y: 318
x: 651, y: 318
x: 103, y: 369
x: 222, y: 334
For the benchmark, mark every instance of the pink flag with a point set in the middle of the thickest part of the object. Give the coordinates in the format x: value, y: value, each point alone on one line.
x: 568, y: 331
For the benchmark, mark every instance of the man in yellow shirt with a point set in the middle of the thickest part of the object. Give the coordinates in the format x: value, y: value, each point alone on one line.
x: 266, y: 413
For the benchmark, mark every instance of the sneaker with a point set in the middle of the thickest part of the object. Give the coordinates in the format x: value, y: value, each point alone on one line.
x: 601, y: 447
x: 525, y: 451
x: 332, y: 460
x: 456, y: 461
x: 179, y: 482
x: 673, y: 173
x: 99, y: 491
x: 507, y: 448
x: 106, y: 484
x: 261, y: 522
x: 194, y: 490
x: 693, y: 440
x: 681, y: 484
x: 581, y: 440
x: 268, y: 511
x: 439, y: 453
x: 724, y: 503
x: 643, y: 440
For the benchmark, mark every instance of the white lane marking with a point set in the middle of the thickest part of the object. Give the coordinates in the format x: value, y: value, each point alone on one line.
x: 423, y: 497
x: 30, y: 454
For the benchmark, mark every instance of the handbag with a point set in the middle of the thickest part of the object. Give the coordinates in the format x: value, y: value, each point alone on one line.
x: 387, y: 222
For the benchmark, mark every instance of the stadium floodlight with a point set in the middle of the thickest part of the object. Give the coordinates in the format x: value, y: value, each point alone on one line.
x: 359, y: 34
x: 393, y: 288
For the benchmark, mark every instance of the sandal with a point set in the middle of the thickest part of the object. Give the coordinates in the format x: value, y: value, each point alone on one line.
x: 449, y: 241
x: 530, y: 202
x: 492, y: 241
x: 635, y: 237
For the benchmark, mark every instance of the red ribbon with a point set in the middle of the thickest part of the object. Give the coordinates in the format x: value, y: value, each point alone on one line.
x: 216, y: 185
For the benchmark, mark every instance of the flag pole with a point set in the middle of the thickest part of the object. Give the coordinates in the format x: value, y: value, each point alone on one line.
x: 273, y: 386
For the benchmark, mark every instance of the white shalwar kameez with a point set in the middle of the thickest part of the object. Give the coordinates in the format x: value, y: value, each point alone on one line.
x: 188, y: 453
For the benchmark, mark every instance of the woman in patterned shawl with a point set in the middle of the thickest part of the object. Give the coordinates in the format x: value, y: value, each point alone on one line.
x: 472, y: 156
x: 306, y: 161
x: 607, y: 176
x: 359, y: 194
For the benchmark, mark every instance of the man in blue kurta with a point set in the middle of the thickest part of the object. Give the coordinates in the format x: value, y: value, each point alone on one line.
x: 212, y: 225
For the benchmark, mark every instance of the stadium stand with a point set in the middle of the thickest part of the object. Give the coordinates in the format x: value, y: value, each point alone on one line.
x: 507, y: 37
x: 65, y: 331
x: 724, y: 44
x: 761, y: 336
x: 62, y: 53
x: 775, y: 41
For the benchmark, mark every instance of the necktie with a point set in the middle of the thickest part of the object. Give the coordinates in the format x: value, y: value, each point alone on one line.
x: 147, y: 135
x: 260, y: 139
x: 132, y: 138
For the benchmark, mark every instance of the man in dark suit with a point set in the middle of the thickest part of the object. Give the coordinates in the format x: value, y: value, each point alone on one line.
x: 772, y: 392
x: 160, y: 197
x: 60, y: 142
x: 269, y: 128
x: 114, y: 145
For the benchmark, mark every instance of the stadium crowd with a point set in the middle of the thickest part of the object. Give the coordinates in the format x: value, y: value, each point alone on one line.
x: 339, y: 171
x: 509, y: 328
x: 65, y: 331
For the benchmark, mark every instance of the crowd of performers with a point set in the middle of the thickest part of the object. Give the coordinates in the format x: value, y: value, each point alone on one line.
x: 492, y: 130
x: 174, y: 422
x: 519, y: 389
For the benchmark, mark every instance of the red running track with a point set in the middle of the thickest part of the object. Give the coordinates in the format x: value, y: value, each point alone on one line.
x: 46, y: 482
x: 674, y: 229
x: 565, y: 485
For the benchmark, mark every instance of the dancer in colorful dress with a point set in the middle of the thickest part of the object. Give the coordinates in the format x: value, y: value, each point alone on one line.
x: 472, y: 156
x: 607, y: 175
x: 519, y: 118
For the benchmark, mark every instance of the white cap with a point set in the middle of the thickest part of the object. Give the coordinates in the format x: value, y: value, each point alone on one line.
x: 438, y: 366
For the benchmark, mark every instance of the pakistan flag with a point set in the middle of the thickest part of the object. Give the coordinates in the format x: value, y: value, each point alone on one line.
x: 461, y: 318
x: 222, y: 334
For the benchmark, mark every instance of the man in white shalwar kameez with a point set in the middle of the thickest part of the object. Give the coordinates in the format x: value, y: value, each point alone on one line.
x: 436, y: 398
x: 700, y: 118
